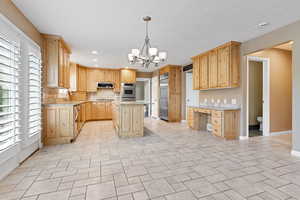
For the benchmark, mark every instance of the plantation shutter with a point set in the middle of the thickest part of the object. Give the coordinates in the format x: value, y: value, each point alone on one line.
x: 35, y: 109
x: 9, y: 93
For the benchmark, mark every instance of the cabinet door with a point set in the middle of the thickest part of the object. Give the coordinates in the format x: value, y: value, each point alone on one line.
x: 116, y: 80
x: 235, y: 66
x: 66, y: 69
x: 51, y: 122
x: 108, y: 110
x: 82, y: 112
x: 100, y: 73
x: 213, y: 69
x: 196, y: 76
x: 128, y: 76
x: 91, y: 80
x: 88, y: 111
x: 98, y: 110
x: 82, y: 81
x: 61, y: 66
x: 224, y: 67
x: 65, y: 122
x: 203, y: 63
x: 52, y: 61
x: 108, y: 76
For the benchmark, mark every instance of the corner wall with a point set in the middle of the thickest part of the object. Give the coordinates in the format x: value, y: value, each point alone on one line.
x: 14, y: 15
x: 279, y: 36
x: 280, y: 88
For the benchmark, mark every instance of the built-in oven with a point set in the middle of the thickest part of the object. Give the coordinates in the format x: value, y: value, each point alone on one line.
x: 128, y: 92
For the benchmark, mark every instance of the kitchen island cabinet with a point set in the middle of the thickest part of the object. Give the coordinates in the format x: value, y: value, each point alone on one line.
x: 128, y: 118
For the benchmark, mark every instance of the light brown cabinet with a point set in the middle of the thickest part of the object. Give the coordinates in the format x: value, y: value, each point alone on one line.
x: 82, y: 77
x: 88, y: 111
x: 218, y: 68
x: 213, y: 69
x: 59, y: 125
x: 77, y: 78
x: 95, y: 75
x: 196, y: 73
x: 116, y: 80
x: 101, y: 110
x: 225, y: 123
x: 174, y: 96
x: 91, y: 79
x: 128, y: 76
x: 57, y: 61
x: 203, y: 70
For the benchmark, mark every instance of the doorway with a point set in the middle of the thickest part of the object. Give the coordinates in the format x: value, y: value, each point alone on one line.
x: 192, y: 96
x: 276, y: 101
x: 258, y: 89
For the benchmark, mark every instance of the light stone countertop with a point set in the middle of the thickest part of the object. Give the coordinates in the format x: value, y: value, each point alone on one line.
x: 221, y: 108
x: 131, y: 102
x: 74, y: 103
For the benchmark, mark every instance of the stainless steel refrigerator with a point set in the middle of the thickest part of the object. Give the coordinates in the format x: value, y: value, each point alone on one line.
x: 164, y: 96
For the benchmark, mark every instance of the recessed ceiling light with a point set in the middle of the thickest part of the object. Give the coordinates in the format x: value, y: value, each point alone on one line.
x: 95, y: 60
x: 263, y: 24
x: 95, y: 52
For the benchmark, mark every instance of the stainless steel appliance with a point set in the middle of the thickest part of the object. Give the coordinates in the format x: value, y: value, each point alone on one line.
x: 164, y: 97
x: 128, y: 92
x: 105, y: 85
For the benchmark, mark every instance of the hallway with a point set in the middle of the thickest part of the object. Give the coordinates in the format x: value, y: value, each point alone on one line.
x: 170, y: 162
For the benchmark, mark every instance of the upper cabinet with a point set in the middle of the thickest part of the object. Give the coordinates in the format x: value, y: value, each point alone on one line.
x: 218, y: 68
x: 57, y: 61
x: 128, y: 76
x: 77, y: 78
x: 91, y: 81
x: 95, y: 75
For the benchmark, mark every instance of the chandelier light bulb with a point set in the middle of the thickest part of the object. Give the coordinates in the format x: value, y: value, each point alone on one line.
x: 135, y: 52
x: 153, y: 51
x: 162, y: 55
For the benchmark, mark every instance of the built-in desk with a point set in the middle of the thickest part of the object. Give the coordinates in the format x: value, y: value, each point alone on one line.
x: 225, y: 121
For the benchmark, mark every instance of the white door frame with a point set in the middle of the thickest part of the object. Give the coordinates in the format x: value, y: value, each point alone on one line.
x: 266, y: 94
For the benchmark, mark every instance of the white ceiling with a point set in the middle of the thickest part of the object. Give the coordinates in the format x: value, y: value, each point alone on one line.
x: 183, y: 28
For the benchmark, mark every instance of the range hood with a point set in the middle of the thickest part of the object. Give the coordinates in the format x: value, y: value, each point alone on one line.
x: 105, y: 85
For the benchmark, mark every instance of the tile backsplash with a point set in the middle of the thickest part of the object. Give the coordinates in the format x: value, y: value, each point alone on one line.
x: 103, y: 94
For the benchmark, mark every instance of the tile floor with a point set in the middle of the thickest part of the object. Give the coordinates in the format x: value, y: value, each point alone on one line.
x: 171, y: 162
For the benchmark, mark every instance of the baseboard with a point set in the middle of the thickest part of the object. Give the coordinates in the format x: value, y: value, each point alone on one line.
x: 244, y: 137
x: 295, y: 153
x: 281, y: 132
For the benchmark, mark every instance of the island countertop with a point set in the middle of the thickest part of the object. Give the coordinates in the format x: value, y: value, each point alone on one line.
x: 131, y: 102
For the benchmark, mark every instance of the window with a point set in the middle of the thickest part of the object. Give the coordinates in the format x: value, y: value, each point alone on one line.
x: 9, y: 102
x: 34, y: 91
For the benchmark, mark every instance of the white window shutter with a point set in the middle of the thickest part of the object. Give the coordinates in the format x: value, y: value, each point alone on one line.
x: 9, y: 93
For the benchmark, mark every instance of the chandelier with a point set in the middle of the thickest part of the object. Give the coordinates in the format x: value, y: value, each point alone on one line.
x: 147, y: 55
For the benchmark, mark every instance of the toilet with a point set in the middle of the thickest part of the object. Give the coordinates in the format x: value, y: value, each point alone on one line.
x: 260, y: 120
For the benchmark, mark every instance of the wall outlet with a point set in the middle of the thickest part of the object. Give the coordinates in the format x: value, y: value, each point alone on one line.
x: 233, y: 101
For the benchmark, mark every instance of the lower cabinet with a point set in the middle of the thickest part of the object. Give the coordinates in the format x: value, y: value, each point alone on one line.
x: 101, y: 110
x: 225, y: 123
x: 60, y: 126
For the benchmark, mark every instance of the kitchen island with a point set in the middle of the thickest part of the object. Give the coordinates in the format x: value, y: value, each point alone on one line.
x: 128, y: 118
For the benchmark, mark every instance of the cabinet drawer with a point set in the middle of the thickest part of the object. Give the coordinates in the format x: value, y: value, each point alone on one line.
x: 217, y: 114
x: 216, y: 121
x: 217, y: 130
